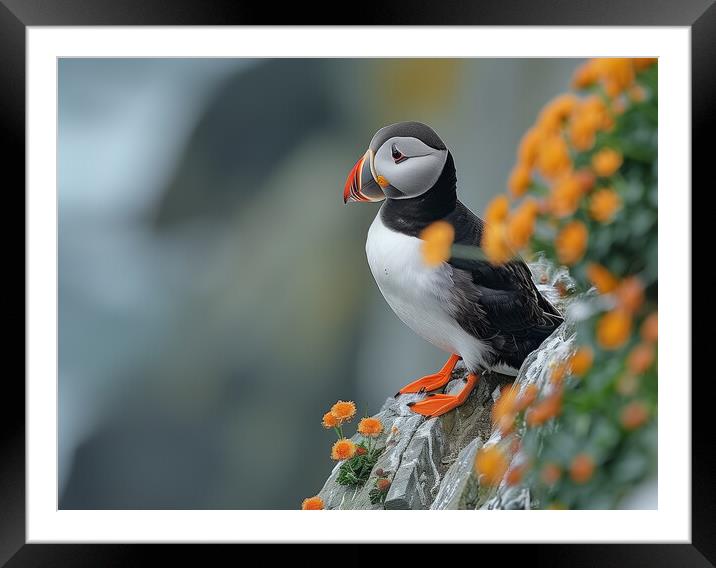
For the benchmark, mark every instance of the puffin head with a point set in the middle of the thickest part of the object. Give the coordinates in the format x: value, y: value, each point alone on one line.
x: 403, y: 160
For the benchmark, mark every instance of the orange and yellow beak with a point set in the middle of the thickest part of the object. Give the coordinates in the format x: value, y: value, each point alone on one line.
x: 360, y: 185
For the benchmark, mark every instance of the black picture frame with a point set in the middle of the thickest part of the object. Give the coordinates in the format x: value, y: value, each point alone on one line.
x: 16, y: 15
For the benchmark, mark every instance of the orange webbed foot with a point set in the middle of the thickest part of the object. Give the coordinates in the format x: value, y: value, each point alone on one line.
x: 438, y: 404
x: 434, y: 381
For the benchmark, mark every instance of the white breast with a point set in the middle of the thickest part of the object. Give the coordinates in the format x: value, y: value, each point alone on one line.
x: 419, y: 294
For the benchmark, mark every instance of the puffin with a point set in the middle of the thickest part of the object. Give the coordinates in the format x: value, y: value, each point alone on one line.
x: 487, y: 315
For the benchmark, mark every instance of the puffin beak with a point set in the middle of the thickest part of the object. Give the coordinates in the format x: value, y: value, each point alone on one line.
x: 360, y: 185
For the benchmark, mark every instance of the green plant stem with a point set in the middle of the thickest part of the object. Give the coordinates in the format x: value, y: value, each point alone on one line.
x: 353, y: 472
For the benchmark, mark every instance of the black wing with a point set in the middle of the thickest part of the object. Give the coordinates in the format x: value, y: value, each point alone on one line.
x: 498, y: 304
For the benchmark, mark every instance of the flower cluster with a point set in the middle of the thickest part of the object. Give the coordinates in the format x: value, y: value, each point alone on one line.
x: 583, y: 191
x: 358, y: 459
x: 341, y: 412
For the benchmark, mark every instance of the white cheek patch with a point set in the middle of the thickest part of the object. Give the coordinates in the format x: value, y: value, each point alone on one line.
x: 417, y: 174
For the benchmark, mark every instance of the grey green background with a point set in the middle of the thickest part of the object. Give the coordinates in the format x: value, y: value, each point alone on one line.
x: 214, y: 298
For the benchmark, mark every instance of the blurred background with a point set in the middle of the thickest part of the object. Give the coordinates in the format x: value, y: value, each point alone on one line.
x: 214, y: 298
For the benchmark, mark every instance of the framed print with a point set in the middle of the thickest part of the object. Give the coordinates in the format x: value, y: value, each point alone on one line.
x: 216, y: 341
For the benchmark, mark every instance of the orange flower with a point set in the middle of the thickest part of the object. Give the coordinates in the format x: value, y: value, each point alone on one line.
x: 491, y: 463
x: 609, y: 123
x: 505, y: 403
x: 521, y: 224
x: 343, y: 410
x: 585, y: 76
x: 582, y: 468
x: 437, y: 241
x: 515, y: 475
x: 528, y: 396
x: 529, y: 206
x: 586, y: 179
x: 590, y: 116
x: 617, y: 74
x: 581, y: 360
x: 330, y: 421
x: 595, y: 111
x: 650, y: 328
x: 556, y: 111
x: 606, y: 162
x: 550, y: 473
x: 312, y: 504
x: 604, y: 205
x: 640, y: 358
x: 370, y: 427
x: 613, y: 329
x: 630, y: 294
x: 582, y: 133
x: 519, y: 181
x: 343, y: 449
x: 529, y: 147
x: 571, y: 242
x: 562, y: 105
x: 383, y: 484
x: 559, y: 371
x: 603, y: 280
x: 565, y: 195
x: 544, y: 410
x: 494, y: 243
x: 497, y: 210
x: 634, y: 414
x: 553, y: 157
x: 504, y: 411
x: 561, y: 288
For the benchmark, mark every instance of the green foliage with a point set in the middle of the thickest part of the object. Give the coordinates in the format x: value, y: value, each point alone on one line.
x: 356, y: 470
x: 377, y: 496
x: 597, y: 407
x: 628, y: 244
x: 590, y: 435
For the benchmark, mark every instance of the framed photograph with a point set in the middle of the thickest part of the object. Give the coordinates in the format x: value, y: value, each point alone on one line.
x: 410, y: 264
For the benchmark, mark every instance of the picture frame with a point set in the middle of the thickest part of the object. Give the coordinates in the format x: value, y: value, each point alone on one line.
x: 16, y: 16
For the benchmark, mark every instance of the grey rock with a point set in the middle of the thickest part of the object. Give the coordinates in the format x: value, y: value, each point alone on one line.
x: 509, y: 498
x: 418, y: 478
x: 418, y: 453
x: 431, y: 462
x: 458, y: 489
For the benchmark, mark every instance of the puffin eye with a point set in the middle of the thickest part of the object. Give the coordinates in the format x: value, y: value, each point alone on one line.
x: 397, y: 154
